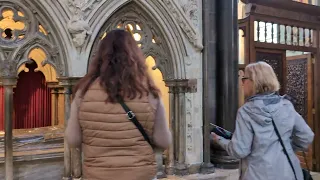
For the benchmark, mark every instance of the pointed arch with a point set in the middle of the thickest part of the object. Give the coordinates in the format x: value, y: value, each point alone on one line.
x: 21, y: 55
x: 40, y: 57
x: 39, y: 29
x: 155, y: 16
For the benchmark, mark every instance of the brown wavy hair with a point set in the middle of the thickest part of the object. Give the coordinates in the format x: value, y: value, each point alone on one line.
x: 120, y: 66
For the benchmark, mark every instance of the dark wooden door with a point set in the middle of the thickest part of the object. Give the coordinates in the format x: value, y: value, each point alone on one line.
x: 300, y: 88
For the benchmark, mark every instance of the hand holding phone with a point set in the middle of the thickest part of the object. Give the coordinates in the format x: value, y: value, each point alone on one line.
x: 221, y: 132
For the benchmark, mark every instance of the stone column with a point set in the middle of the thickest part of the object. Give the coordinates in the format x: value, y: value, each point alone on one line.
x: 67, y: 104
x: 54, y: 98
x: 181, y: 86
x: 8, y: 83
x: 72, y: 157
x: 56, y: 104
x: 227, y: 73
x: 170, y: 164
x: 209, y: 79
x: 177, y: 151
x: 227, y: 46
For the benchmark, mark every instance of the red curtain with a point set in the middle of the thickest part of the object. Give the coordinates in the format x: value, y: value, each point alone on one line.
x: 1, y: 108
x: 32, y: 100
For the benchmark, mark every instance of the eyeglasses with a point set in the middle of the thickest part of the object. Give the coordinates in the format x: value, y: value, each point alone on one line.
x: 244, y: 79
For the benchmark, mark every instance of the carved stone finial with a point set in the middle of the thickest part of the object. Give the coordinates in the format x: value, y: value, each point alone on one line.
x: 77, y: 26
x: 79, y: 29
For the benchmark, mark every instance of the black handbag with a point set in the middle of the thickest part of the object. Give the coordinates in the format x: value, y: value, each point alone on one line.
x: 306, y: 172
x: 132, y: 117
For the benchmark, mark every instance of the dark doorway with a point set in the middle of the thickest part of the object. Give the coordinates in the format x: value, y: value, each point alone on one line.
x: 32, y: 100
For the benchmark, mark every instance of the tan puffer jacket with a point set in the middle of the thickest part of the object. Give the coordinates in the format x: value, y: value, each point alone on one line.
x: 113, y: 147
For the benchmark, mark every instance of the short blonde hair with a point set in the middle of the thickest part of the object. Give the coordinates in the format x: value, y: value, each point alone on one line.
x: 263, y: 77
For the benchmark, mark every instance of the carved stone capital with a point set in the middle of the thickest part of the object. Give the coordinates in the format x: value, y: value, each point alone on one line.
x: 9, y: 81
x: 181, y: 85
x: 68, y: 81
x: 53, y: 85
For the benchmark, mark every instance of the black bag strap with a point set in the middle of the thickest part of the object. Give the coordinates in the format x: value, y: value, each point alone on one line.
x: 284, y: 149
x: 133, y: 119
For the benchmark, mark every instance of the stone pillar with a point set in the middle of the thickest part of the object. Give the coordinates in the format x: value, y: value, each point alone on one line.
x: 170, y: 164
x: 227, y: 73
x: 177, y: 151
x: 8, y: 83
x: 227, y: 45
x: 209, y: 79
x: 181, y: 166
x: 56, y: 104
x: 54, y: 98
x: 72, y: 157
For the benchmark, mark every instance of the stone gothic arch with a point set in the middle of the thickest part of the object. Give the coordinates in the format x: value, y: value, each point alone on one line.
x: 156, y: 17
x: 35, y: 32
x: 161, y: 38
x: 146, y: 33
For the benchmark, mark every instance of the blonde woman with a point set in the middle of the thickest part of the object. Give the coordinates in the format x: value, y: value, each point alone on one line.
x: 255, y: 141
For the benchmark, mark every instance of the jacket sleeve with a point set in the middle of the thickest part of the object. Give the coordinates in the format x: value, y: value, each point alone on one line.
x: 73, y: 132
x: 302, y: 135
x: 240, y: 144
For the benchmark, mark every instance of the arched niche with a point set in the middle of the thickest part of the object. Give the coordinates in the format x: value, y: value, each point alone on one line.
x: 39, y: 56
x: 23, y: 28
x: 151, y: 40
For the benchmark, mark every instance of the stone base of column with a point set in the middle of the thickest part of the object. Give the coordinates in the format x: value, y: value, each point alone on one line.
x: 207, y: 168
x: 160, y: 166
x: 181, y: 169
x: 221, y: 159
x: 170, y: 170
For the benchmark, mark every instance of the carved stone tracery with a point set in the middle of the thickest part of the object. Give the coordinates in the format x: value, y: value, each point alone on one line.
x: 190, y: 8
x: 190, y: 31
x: 145, y: 32
x: 14, y: 51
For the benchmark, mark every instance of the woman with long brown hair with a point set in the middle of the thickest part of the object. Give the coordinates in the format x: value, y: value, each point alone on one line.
x: 116, y: 91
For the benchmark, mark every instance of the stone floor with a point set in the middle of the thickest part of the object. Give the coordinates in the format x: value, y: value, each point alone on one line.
x: 221, y: 175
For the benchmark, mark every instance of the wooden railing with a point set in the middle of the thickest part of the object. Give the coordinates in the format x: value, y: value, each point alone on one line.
x: 286, y: 34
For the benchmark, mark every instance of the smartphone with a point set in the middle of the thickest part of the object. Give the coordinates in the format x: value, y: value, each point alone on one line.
x: 221, y: 132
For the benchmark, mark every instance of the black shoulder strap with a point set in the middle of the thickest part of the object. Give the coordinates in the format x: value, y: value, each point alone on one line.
x: 284, y: 148
x: 133, y: 119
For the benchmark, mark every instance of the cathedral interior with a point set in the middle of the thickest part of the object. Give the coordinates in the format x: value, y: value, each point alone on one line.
x: 40, y: 99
